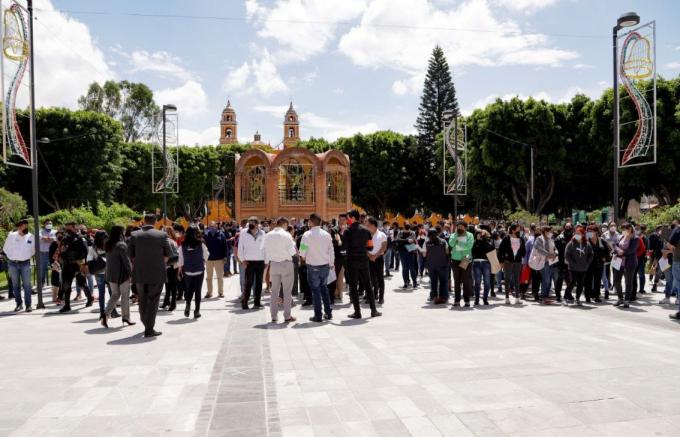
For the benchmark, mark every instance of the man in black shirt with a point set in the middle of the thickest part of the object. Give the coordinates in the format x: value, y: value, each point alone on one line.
x: 336, y: 287
x: 73, y: 255
x: 357, y: 241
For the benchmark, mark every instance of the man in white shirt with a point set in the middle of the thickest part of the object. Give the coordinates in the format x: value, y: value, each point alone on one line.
x: 316, y: 249
x: 19, y: 248
x: 251, y: 254
x: 376, y: 260
x: 279, y: 249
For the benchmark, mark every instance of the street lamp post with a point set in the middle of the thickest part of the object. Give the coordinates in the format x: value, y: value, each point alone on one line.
x: 626, y: 20
x: 165, y: 161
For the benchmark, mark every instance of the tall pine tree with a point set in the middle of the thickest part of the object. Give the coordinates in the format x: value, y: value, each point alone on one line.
x: 439, y: 96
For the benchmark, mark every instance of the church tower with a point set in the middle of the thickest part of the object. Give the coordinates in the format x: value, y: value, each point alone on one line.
x: 228, y: 125
x: 291, y: 128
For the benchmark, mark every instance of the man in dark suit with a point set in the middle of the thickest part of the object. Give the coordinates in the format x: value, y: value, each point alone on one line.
x: 149, y: 250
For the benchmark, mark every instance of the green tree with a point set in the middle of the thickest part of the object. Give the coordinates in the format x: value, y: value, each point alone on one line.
x: 128, y: 102
x: 81, y: 165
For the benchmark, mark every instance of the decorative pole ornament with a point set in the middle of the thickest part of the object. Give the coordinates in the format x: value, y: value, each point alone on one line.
x: 14, y: 63
x: 455, y: 150
x: 636, y: 67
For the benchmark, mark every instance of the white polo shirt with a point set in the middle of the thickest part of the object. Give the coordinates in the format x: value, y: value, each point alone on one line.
x: 250, y: 248
x: 19, y: 247
x: 378, y: 239
x: 278, y: 246
x: 316, y: 247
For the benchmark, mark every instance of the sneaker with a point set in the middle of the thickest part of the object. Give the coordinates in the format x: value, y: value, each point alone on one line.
x: 507, y: 301
x: 518, y: 301
x: 29, y: 309
x: 665, y: 301
x: 18, y: 308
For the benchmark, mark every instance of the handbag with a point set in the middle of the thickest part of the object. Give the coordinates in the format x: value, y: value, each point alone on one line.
x: 464, y: 263
x: 536, y: 261
x: 97, y: 265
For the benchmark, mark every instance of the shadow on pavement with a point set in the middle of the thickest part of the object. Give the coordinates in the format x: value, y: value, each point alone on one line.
x: 183, y: 321
x: 135, y: 339
x: 102, y: 330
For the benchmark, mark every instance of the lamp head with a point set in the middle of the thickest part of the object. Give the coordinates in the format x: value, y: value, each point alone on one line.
x: 628, y: 19
x: 170, y: 107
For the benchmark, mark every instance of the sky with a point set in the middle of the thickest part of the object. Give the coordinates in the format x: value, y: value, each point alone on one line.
x: 347, y: 65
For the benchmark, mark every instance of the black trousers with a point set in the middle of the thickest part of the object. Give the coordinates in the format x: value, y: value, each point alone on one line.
x: 170, y: 287
x: 593, y: 281
x: 358, y: 272
x: 535, y: 283
x: 148, y: 299
x: 68, y: 273
x: 462, y: 277
x: 563, y: 277
x: 627, y: 273
x: 254, y: 273
x: 578, y: 279
x: 192, y: 289
x: 377, y: 269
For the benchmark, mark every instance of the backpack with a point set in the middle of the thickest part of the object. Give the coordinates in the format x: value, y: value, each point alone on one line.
x: 641, y: 249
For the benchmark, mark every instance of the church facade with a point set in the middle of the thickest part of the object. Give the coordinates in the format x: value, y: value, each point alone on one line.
x: 291, y: 182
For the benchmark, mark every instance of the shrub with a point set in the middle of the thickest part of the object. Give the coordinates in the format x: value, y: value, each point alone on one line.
x: 523, y: 217
x: 105, y: 217
x: 662, y: 215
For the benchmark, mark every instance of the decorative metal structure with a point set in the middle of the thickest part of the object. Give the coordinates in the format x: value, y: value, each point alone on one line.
x: 165, y: 166
x: 455, y: 150
x: 637, y: 63
x: 14, y: 64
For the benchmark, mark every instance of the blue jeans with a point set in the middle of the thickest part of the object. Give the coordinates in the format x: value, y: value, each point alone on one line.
x: 548, y: 275
x: 640, y: 280
x: 676, y: 278
x: 101, y: 287
x: 388, y: 260
x: 21, y: 271
x: 44, y: 266
x: 439, y: 282
x: 481, y: 269
x: 316, y: 278
x: 499, y: 281
x: 670, y: 284
x: 409, y: 264
x: 421, y: 264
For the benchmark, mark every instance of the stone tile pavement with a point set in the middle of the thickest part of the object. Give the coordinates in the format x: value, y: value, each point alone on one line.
x: 417, y: 371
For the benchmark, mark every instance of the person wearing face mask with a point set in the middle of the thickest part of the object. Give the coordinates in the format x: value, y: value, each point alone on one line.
x: 611, y: 237
x: 510, y: 253
x: 19, y: 248
x: 47, y: 237
x: 626, y: 252
x: 55, y: 267
x: 73, y: 256
x: 655, y: 253
x: 481, y: 266
x: 216, y: 242
x: 251, y: 252
x: 461, y: 257
x: 578, y: 255
x: 563, y: 276
x: 673, y: 246
x: 544, y: 260
x: 601, y: 255
x: 643, y: 243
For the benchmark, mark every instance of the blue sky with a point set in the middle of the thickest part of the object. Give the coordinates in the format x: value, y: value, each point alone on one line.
x: 348, y: 65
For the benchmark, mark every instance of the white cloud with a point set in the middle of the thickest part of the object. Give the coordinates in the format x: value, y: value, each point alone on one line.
x: 260, y: 76
x: 673, y: 65
x: 411, y: 85
x: 209, y: 136
x: 527, y: 6
x: 332, y: 129
x: 274, y: 110
x: 160, y: 62
x: 190, y: 98
x: 302, y: 28
x: 67, y: 59
x: 338, y: 91
x: 387, y: 37
x: 580, y: 66
x: 310, y: 76
x: 237, y: 78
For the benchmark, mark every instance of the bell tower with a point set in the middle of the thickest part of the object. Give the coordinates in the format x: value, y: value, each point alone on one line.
x: 228, y: 125
x: 291, y: 128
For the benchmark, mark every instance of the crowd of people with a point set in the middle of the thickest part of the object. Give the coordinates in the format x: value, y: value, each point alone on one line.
x: 314, y: 259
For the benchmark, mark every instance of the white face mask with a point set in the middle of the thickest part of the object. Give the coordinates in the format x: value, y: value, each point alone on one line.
x: 577, y: 237
x: 612, y: 230
x: 549, y: 235
x: 589, y: 235
x: 48, y: 227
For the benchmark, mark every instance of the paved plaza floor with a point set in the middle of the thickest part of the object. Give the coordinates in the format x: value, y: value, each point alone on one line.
x: 417, y: 371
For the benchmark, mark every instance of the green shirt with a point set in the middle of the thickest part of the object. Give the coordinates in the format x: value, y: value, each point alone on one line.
x: 459, y: 249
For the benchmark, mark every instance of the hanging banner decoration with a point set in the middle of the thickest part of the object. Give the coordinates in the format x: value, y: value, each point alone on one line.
x: 16, y: 150
x: 455, y: 159
x: 165, y: 167
x: 637, y: 73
